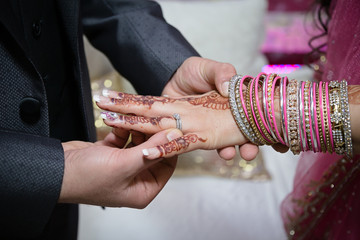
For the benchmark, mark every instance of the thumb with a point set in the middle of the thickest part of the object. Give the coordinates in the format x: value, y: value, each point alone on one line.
x: 219, y: 74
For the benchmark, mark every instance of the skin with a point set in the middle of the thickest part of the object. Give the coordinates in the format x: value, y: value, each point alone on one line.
x: 115, y: 173
x: 197, y: 76
x: 216, y: 129
x: 206, y: 119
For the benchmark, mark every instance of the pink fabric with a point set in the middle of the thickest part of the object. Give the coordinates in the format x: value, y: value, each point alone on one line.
x: 325, y: 201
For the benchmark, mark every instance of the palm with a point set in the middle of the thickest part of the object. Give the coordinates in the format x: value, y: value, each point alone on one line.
x: 114, y: 177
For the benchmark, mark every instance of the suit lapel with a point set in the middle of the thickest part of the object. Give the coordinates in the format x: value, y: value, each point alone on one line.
x: 11, y: 19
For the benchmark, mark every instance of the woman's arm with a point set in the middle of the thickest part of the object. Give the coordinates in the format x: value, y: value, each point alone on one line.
x: 207, y: 121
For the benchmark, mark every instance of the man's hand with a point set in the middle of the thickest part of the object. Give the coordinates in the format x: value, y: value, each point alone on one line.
x: 200, y: 75
x: 103, y: 174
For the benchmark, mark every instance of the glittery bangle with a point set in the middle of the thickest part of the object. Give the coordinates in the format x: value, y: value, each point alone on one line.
x: 293, y: 116
x: 321, y: 121
x: 336, y: 117
x: 248, y: 132
x: 308, y: 125
x: 344, y: 99
x: 267, y: 100
x: 235, y: 112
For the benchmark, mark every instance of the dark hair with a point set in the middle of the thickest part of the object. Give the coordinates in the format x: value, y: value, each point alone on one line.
x: 321, y: 14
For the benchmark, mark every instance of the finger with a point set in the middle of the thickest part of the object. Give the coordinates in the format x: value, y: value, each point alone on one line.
x: 248, y: 151
x: 148, y: 125
x: 136, y: 153
x: 132, y: 103
x: 219, y: 74
x: 227, y: 153
x: 177, y: 146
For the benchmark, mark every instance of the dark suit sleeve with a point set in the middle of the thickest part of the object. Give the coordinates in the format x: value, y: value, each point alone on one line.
x: 29, y: 187
x: 135, y: 37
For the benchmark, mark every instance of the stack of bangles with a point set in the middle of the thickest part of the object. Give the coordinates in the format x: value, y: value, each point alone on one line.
x: 313, y: 116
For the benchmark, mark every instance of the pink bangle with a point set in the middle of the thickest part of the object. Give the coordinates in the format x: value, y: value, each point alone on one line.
x: 314, y: 110
x: 253, y: 110
x: 322, y: 113
x: 279, y: 138
x: 284, y: 115
x: 311, y: 117
x: 257, y: 101
x: 267, y: 101
x: 303, y: 138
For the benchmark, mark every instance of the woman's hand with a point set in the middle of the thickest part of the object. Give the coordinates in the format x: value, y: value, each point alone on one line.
x: 207, y: 122
x: 200, y: 75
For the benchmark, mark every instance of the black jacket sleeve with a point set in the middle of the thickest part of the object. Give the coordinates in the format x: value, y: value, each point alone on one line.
x: 135, y: 37
x: 31, y: 169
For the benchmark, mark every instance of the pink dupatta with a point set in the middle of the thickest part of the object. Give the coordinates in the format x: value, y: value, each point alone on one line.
x: 325, y: 201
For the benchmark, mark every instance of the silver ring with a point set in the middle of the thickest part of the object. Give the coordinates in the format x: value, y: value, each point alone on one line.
x: 178, y: 121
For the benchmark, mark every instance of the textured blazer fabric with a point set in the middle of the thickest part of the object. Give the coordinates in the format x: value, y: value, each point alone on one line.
x: 140, y: 45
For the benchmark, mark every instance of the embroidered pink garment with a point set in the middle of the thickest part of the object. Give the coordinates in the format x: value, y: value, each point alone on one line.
x: 325, y: 201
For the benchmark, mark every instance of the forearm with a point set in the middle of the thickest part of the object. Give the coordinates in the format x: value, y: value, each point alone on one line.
x: 354, y: 104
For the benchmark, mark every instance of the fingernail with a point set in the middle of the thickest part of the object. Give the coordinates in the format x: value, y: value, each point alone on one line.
x: 173, y: 134
x: 225, y: 88
x: 105, y: 92
x: 165, y: 95
x: 151, y: 153
x: 96, y: 98
x: 145, y: 152
x: 109, y: 116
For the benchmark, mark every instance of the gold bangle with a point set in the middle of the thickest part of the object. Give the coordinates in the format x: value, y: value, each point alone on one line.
x: 318, y: 113
x: 269, y: 140
x: 251, y: 118
x: 307, y: 116
x: 326, y: 120
x: 293, y: 116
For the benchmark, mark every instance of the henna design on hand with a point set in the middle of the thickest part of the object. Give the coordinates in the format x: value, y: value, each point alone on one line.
x: 126, y: 98
x: 178, y: 144
x: 138, y: 119
x: 213, y: 101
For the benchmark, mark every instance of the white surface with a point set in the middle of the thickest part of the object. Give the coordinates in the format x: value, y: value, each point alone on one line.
x: 201, y: 208
x: 226, y: 31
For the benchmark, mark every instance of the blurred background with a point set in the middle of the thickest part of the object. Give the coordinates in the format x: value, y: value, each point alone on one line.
x: 209, y: 198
